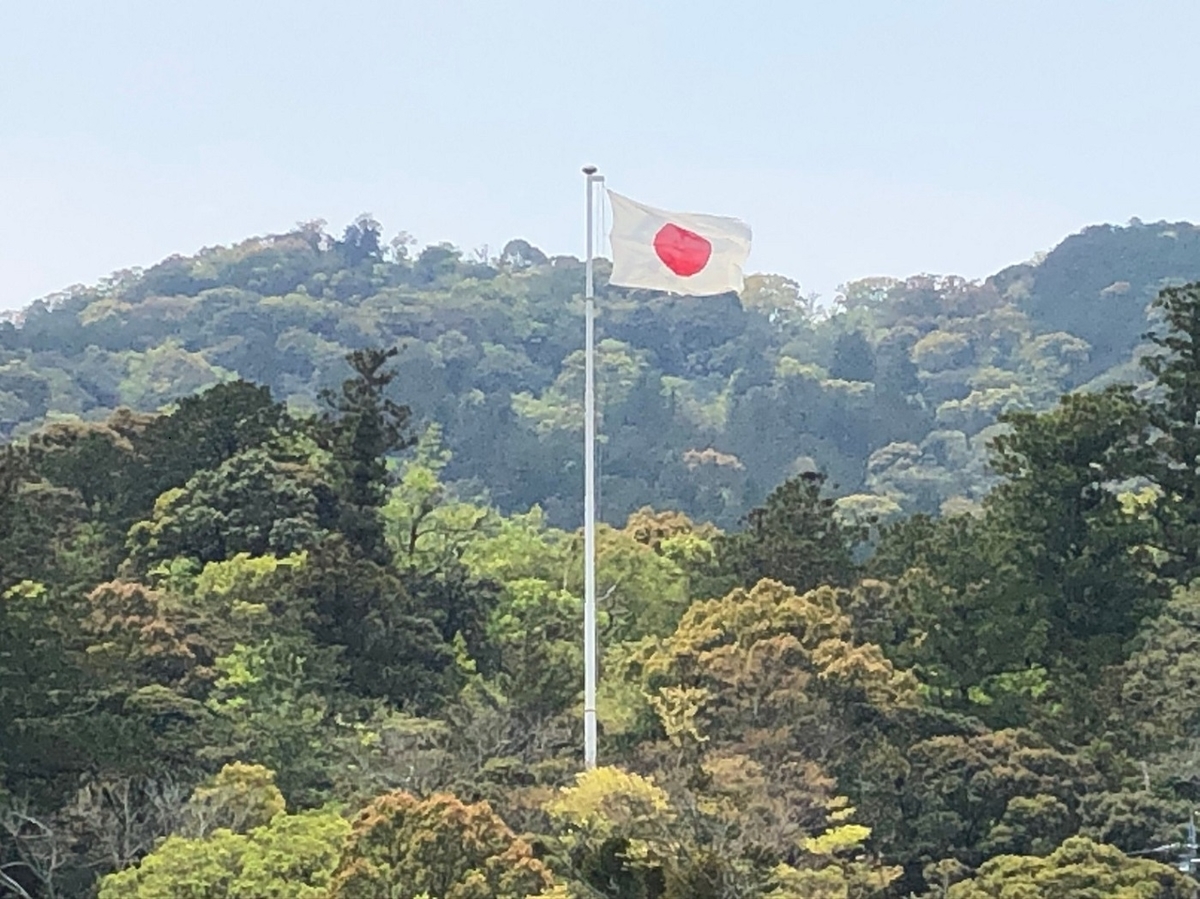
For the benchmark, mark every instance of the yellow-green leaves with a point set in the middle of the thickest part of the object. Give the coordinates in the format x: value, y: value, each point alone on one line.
x: 1079, y: 867
x: 607, y: 801
x: 239, y: 797
x: 677, y: 708
x: 845, y: 838
x: 291, y: 857
x: 427, y: 526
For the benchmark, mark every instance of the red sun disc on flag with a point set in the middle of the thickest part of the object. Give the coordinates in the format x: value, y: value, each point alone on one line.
x: 682, y: 251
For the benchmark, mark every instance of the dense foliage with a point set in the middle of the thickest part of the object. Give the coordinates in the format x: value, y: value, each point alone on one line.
x: 892, y: 391
x: 319, y: 636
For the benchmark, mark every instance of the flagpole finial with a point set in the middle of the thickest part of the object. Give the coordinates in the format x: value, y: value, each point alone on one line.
x: 589, y: 170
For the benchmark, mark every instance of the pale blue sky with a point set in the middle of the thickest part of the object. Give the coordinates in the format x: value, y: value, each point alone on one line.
x: 856, y: 138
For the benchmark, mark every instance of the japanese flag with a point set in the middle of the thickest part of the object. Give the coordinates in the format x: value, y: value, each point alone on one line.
x: 684, y: 253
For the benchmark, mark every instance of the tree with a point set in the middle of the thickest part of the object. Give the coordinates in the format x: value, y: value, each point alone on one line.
x: 520, y: 254
x: 113, y: 820
x: 142, y: 456
x: 1015, y: 614
x: 619, y: 833
x: 401, y: 847
x: 974, y: 639
x: 428, y: 526
x: 772, y: 674
x: 360, y: 241
x: 151, y: 665
x: 1176, y: 369
x: 853, y: 358
x: 625, y: 836
x: 435, y: 262
x: 795, y: 537
x: 237, y: 798
x: 252, y: 503
x: 1072, y: 540
x: 459, y: 606
x: 360, y: 427
x: 1152, y: 719
x: 391, y: 647
x: 70, y: 454
x: 1077, y: 868
x: 292, y: 856
x: 642, y: 592
x: 40, y: 685
x: 206, y: 430
x: 535, y: 629
x: 974, y: 796
x: 37, y: 522
x: 272, y: 704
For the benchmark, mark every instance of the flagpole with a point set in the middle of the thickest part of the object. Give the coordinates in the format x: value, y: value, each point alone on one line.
x: 589, y: 490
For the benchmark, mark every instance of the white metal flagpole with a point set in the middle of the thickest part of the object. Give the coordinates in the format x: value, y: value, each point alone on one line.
x: 589, y: 490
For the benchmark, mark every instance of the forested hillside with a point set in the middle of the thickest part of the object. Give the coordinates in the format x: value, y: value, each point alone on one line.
x: 707, y: 404
x: 315, y: 637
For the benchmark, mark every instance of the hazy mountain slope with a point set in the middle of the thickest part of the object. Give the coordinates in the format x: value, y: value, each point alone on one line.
x: 707, y: 403
x: 1096, y: 284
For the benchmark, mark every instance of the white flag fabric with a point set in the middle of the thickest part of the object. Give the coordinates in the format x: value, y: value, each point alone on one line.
x: 685, y: 253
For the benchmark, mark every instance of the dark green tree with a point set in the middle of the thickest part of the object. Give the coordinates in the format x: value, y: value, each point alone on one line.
x: 252, y: 503
x: 38, y: 521
x: 40, y: 752
x: 795, y: 538
x: 360, y: 241
x: 206, y: 430
x: 118, y: 468
x: 458, y: 604
x: 1176, y: 412
x: 1046, y: 589
x: 360, y: 427
x: 1074, y: 534
x: 973, y: 796
x: 391, y: 647
x: 853, y: 358
x: 99, y: 463
x: 521, y: 254
x: 951, y: 618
